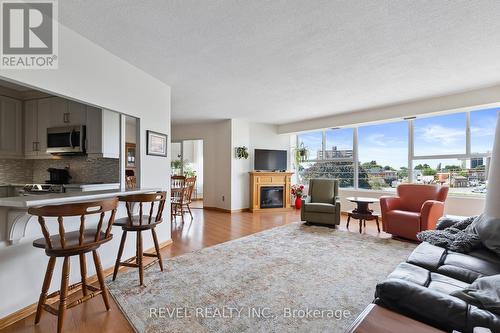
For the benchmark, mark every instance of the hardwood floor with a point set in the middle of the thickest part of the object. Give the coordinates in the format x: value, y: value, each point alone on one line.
x: 207, y: 228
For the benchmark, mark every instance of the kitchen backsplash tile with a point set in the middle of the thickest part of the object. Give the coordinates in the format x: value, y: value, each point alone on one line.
x: 16, y: 171
x: 81, y: 169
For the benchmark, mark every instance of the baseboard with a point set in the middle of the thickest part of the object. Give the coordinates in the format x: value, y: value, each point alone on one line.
x: 217, y: 209
x: 31, y: 309
x: 223, y: 210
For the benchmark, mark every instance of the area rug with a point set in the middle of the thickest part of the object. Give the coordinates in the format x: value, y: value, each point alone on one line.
x: 293, y: 278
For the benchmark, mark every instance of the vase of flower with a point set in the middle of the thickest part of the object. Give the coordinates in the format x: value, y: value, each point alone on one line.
x: 298, y: 192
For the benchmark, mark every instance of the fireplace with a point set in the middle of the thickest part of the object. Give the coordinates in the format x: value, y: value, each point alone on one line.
x: 271, y: 197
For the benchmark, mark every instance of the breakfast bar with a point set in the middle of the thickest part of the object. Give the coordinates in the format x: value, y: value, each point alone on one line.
x: 16, y: 216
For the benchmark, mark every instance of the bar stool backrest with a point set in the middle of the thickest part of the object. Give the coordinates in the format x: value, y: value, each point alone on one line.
x: 141, y: 199
x: 81, y: 209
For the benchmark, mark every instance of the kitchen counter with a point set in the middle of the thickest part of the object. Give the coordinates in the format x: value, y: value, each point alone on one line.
x: 60, y: 198
x: 91, y: 187
x: 17, y: 216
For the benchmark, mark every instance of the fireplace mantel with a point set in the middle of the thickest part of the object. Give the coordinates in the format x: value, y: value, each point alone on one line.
x: 260, y: 179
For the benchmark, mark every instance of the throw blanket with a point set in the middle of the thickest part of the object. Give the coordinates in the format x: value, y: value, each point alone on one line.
x: 450, y: 233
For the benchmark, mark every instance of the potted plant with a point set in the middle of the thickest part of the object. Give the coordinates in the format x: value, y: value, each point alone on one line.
x: 301, y: 153
x: 241, y: 152
x: 298, y: 193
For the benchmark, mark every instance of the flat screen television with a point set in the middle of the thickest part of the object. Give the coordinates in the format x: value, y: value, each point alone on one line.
x: 270, y: 160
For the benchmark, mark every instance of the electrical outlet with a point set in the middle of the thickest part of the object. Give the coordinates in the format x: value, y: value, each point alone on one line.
x: 223, y: 198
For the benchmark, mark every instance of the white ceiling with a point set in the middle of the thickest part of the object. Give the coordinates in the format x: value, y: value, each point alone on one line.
x: 285, y: 61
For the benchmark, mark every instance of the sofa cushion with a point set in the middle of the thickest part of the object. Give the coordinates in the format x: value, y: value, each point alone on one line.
x: 426, y: 286
x: 323, y: 191
x: 411, y: 273
x: 445, y: 284
x: 428, y: 256
x: 423, y: 304
x: 469, y: 267
x: 317, y: 207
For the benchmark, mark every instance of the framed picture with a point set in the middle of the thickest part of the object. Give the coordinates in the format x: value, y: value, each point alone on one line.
x: 156, y: 144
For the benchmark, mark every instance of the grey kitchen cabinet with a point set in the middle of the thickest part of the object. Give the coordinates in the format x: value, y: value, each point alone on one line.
x: 66, y: 113
x: 103, y: 133
x: 11, y: 126
x: 37, y: 117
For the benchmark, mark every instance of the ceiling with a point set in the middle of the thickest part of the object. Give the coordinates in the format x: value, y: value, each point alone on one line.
x: 287, y: 61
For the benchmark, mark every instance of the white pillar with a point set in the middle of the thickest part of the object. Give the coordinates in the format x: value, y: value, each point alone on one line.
x: 492, y: 207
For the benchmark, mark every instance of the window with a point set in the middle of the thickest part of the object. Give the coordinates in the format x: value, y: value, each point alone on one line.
x: 482, y: 130
x: 338, y: 156
x: 313, y: 142
x: 334, y: 161
x: 463, y: 176
x: 441, y: 135
x: 383, y: 155
x: 452, y: 149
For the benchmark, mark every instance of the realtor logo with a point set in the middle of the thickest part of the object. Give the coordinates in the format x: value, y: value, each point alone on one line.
x: 29, y: 34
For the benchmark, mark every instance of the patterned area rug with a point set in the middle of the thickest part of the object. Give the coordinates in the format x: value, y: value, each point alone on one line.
x: 293, y: 278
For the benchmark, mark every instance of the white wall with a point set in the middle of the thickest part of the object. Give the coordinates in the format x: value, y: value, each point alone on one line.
x: 241, y: 134
x: 224, y: 174
x: 486, y: 97
x: 89, y: 74
x: 216, y: 138
x: 254, y: 136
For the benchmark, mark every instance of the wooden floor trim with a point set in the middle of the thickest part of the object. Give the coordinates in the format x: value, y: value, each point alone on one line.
x: 31, y: 309
x: 223, y: 210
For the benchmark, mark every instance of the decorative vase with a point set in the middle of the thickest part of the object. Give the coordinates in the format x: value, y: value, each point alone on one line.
x: 298, y: 202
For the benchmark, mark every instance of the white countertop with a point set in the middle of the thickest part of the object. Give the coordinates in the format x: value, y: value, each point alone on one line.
x: 88, y: 185
x: 60, y: 198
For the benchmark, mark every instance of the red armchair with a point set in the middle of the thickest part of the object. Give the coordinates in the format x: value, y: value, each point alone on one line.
x: 417, y: 207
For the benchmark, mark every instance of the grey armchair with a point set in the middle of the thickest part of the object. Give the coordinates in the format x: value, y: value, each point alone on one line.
x: 322, y: 204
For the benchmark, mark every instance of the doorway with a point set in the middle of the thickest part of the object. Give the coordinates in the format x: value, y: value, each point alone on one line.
x: 187, y: 160
x: 131, y: 157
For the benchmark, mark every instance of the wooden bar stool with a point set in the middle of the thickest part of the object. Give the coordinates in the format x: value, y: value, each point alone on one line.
x: 66, y: 244
x: 140, y: 223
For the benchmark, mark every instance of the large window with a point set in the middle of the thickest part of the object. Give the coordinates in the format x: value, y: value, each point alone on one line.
x: 463, y: 176
x: 313, y: 143
x: 482, y: 130
x: 333, y: 158
x: 441, y: 135
x: 383, y: 155
x: 452, y: 149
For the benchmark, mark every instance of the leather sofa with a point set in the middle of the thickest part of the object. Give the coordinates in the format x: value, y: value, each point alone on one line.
x: 417, y: 207
x: 322, y: 205
x: 421, y: 288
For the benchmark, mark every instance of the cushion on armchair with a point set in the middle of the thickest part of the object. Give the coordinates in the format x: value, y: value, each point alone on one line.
x: 323, y: 191
x: 318, y: 207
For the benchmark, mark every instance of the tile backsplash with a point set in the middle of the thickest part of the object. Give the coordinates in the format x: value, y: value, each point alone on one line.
x: 81, y: 169
x: 16, y: 171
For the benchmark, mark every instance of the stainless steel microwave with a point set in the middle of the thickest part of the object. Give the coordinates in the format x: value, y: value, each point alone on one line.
x: 66, y: 140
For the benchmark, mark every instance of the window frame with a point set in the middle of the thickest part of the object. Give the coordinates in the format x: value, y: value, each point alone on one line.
x: 411, y: 146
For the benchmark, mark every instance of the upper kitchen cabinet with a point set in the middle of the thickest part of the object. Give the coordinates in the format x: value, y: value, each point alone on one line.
x: 11, y: 140
x: 103, y: 133
x: 41, y: 114
x: 37, y: 118
x: 66, y: 113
